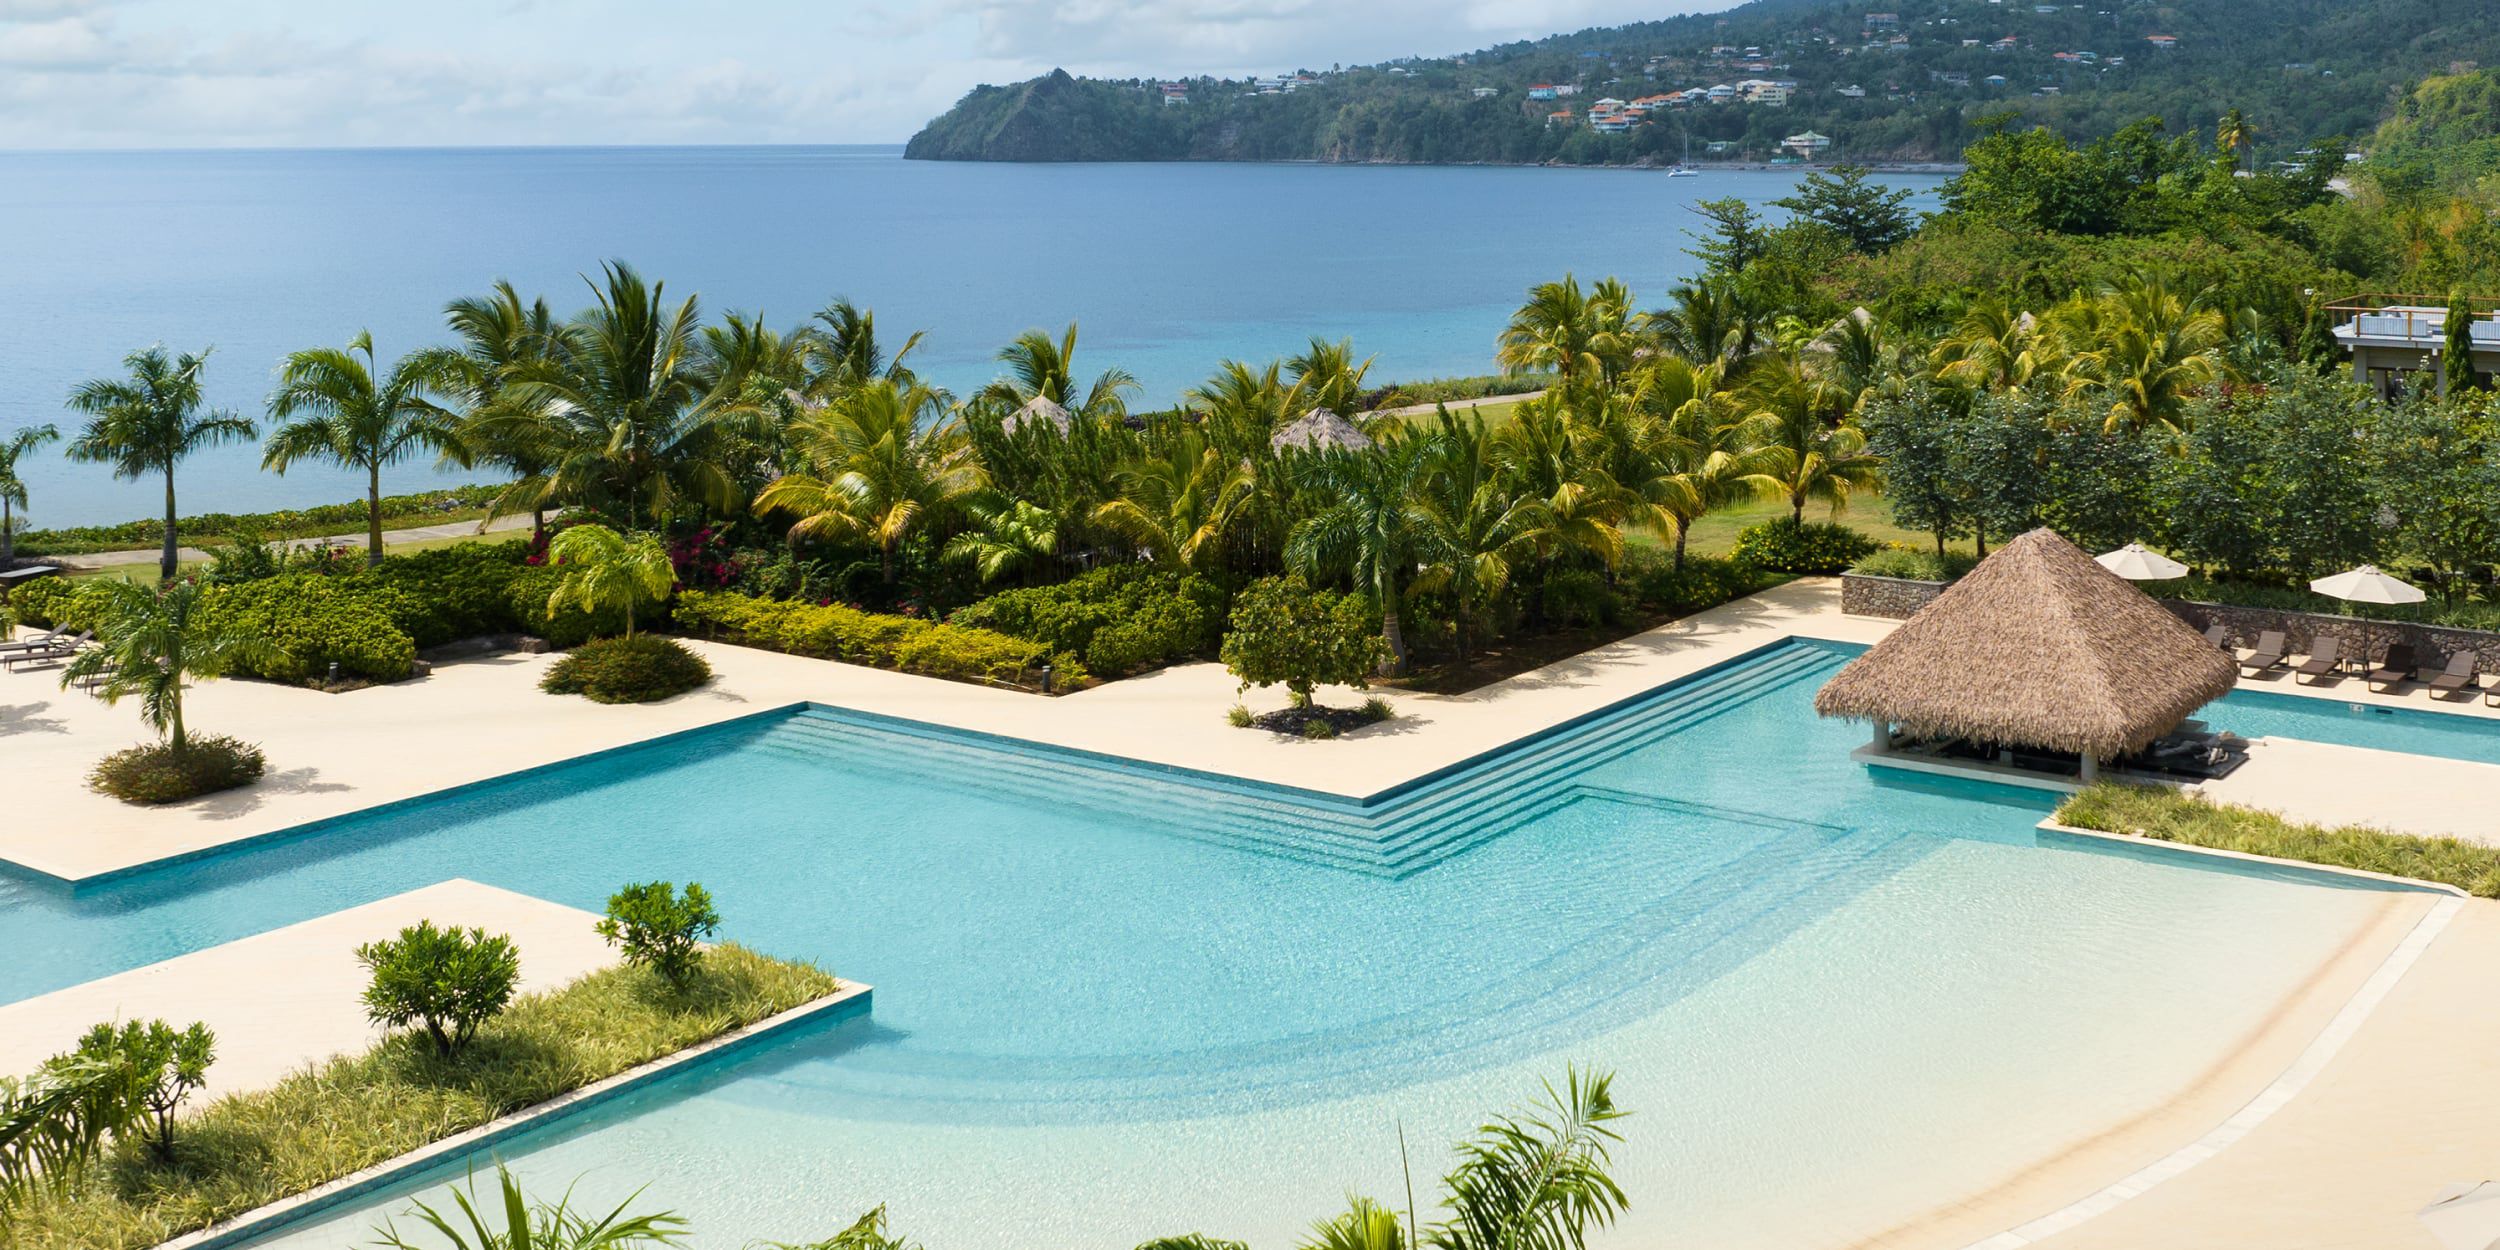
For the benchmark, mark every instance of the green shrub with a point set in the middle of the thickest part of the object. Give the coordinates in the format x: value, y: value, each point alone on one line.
x: 904, y: 643
x: 1570, y: 598
x: 2193, y: 820
x: 526, y: 596
x: 1284, y: 632
x: 641, y: 669
x: 1376, y: 710
x: 1318, y: 730
x: 449, y: 981
x: 660, y: 929
x: 1915, y: 564
x: 455, y: 592
x: 324, y: 520
x: 1813, y: 548
x: 312, y: 621
x: 157, y: 773
x: 59, y: 603
x: 159, y: 1068
x: 1238, y: 716
x: 1121, y: 619
x: 1703, y: 582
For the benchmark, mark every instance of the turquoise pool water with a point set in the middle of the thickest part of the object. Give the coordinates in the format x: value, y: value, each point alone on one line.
x: 1119, y: 1001
x: 2265, y: 714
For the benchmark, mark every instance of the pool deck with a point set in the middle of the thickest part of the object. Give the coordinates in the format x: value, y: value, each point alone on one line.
x: 2412, y: 1103
x: 284, y: 999
x: 2332, y: 784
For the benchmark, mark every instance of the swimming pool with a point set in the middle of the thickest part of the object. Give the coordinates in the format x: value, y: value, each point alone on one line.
x: 1115, y: 1001
x: 2270, y: 714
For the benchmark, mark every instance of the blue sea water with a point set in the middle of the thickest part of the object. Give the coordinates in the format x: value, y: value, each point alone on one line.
x: 1114, y: 1002
x: 1169, y: 269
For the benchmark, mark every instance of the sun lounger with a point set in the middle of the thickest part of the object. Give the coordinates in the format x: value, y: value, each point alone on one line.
x: 2218, y: 636
x: 2458, y: 676
x: 2326, y: 659
x: 2269, y: 652
x: 54, y: 648
x: 2394, y: 668
x: 35, y: 643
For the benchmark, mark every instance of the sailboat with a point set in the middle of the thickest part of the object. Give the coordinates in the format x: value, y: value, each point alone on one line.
x: 1684, y: 168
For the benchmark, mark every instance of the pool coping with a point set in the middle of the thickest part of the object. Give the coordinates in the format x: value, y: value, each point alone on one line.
x: 2305, y: 1067
x: 853, y: 998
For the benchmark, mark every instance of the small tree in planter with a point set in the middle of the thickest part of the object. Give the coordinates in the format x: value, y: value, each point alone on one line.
x: 1283, y: 632
x: 449, y: 981
x: 159, y: 1065
x: 148, y: 642
x: 604, y: 569
x: 660, y: 929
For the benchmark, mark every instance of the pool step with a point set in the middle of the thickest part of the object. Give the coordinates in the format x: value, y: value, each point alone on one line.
x: 1405, y: 833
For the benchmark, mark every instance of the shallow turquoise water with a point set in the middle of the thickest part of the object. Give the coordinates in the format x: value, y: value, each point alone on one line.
x: 1114, y: 1003
x: 2265, y: 714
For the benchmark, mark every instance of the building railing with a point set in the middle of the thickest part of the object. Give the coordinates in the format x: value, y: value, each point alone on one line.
x: 2412, y: 317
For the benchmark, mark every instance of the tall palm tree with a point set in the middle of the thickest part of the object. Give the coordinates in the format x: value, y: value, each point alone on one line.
x: 1480, y: 530
x: 1373, y: 524
x: 1573, y: 333
x: 1549, y: 454
x: 2235, y: 136
x: 878, y: 467
x: 149, y: 421
x: 1040, y: 367
x: 1805, y: 454
x: 1679, y: 450
x: 499, y: 333
x: 1993, y: 347
x: 333, y: 404
x: 623, y: 410
x: 1704, y: 321
x: 150, y: 639
x: 2145, y: 349
x: 1176, y: 501
x: 13, y: 487
x: 845, y: 351
x: 1330, y: 376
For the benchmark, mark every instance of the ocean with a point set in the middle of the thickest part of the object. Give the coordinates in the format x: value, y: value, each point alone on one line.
x: 1169, y: 269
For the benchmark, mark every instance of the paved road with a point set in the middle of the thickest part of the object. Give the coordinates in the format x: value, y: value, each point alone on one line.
x: 453, y: 529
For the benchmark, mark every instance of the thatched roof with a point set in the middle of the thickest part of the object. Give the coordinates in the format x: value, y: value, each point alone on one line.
x: 2038, y: 646
x: 1320, y: 429
x: 1039, y: 408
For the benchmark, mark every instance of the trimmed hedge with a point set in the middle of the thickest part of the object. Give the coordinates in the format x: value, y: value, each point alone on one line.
x: 315, y: 621
x: 906, y: 644
x: 1121, y: 619
x: 641, y: 669
x: 1815, y: 548
x: 323, y: 520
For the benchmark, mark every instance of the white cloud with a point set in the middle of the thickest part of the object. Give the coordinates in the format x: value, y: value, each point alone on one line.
x: 282, y: 72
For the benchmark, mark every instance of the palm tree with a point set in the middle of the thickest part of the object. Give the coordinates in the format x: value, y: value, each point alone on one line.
x: 1991, y: 348
x: 2235, y: 136
x: 1329, y: 375
x: 1363, y: 1225
x: 1372, y: 525
x: 2145, y: 348
x: 844, y: 351
x: 13, y: 487
x: 1546, y: 454
x: 606, y: 570
x: 146, y: 423
x: 1679, y: 451
x: 1704, y: 321
x: 1538, y: 1181
x: 622, y: 410
x: 1804, y: 453
x: 878, y: 467
x: 528, y: 1225
x: 332, y: 405
x: 1479, y: 529
x: 1572, y: 333
x: 498, y: 334
x: 1010, y: 536
x: 1176, y: 501
x: 148, y: 639
x: 1039, y: 367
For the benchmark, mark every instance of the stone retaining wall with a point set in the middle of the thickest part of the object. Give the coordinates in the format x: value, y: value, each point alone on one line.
x: 1896, y: 598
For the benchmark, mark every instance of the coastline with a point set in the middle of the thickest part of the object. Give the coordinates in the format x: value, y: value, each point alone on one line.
x: 1945, y: 168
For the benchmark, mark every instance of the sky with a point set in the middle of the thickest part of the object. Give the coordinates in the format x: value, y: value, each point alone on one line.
x: 356, y: 73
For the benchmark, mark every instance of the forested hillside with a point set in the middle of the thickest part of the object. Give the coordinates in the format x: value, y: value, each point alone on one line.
x: 1898, y: 80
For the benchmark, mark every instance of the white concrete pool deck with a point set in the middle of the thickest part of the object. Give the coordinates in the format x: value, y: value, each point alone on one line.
x: 290, y: 997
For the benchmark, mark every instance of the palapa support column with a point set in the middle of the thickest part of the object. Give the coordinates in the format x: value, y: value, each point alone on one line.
x: 1883, y: 735
x: 2091, y: 769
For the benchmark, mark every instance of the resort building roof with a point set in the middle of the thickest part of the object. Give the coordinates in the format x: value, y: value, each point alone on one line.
x: 2038, y: 646
x: 1039, y: 408
x: 1319, y: 430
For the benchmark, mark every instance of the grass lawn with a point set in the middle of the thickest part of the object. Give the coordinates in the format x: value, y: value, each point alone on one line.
x: 2191, y: 820
x: 1715, y: 534
x: 248, y: 1150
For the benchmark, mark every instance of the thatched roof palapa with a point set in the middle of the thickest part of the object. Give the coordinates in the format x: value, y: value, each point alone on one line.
x: 1319, y: 430
x: 1039, y: 408
x: 2038, y: 646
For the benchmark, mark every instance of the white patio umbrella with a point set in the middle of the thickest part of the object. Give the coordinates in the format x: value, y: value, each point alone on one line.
x: 2465, y: 1216
x: 2367, y: 585
x: 2138, y: 563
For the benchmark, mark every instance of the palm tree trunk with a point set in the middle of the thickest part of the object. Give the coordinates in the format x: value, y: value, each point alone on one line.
x: 1389, y: 625
x: 373, y: 516
x: 1683, y: 530
x: 885, y: 562
x: 538, y: 528
x: 165, y: 566
x: 179, y: 740
x: 8, y: 535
